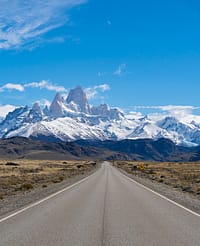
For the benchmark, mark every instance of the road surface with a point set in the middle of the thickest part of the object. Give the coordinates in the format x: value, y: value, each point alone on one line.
x: 105, y: 209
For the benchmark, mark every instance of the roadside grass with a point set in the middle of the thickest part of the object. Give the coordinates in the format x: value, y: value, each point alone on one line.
x: 180, y: 175
x: 24, y: 175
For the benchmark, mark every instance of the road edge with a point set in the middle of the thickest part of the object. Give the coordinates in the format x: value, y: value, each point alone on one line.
x: 36, y: 203
x: 131, y: 178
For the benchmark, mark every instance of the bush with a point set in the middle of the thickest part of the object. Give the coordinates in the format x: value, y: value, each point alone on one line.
x: 1, y: 196
x: 134, y: 168
x: 12, y: 164
x: 26, y: 186
x: 61, y: 178
x: 141, y: 167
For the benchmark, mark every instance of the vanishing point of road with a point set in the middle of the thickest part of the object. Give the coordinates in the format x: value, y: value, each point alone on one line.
x: 104, y: 209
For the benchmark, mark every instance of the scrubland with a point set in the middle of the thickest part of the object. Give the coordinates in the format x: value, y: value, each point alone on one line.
x: 21, y: 176
x: 182, y: 176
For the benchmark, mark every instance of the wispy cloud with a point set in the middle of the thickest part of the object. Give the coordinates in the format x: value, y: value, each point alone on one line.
x: 43, y: 102
x: 170, y: 108
x: 25, y: 22
x: 120, y: 70
x: 101, y: 74
x: 44, y: 84
x: 178, y: 111
x: 92, y: 92
x: 10, y: 86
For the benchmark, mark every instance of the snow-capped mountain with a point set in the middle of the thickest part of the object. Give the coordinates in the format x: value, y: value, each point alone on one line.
x: 73, y: 118
x: 4, y: 110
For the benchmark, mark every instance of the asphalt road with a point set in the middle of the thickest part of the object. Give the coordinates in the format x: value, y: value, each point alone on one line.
x: 105, y: 209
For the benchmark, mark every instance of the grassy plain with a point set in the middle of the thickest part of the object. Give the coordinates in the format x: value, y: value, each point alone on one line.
x: 182, y: 176
x: 24, y: 175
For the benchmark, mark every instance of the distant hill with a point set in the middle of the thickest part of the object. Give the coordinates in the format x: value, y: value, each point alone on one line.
x: 141, y: 149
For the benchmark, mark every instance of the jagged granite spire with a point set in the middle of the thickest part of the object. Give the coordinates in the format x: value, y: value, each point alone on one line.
x: 56, y: 108
x: 78, y: 96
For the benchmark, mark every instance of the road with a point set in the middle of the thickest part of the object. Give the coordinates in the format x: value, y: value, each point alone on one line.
x: 105, y: 209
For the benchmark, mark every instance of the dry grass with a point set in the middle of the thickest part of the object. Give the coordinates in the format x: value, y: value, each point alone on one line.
x: 182, y: 176
x: 24, y: 175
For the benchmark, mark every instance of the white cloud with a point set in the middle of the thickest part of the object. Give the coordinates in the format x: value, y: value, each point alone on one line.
x: 103, y: 87
x: 92, y: 92
x: 25, y: 22
x: 171, y: 108
x: 184, y: 113
x: 10, y: 86
x: 120, y: 70
x: 134, y: 115
x: 100, y: 74
x: 43, y: 84
x: 43, y: 102
x: 46, y: 85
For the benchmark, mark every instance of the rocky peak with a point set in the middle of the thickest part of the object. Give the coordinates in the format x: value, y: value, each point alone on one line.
x: 56, y: 108
x: 58, y: 98
x: 35, y: 114
x: 14, y: 120
x: 168, y: 122
x: 79, y: 97
x: 109, y: 113
x: 46, y: 111
x: 36, y: 108
x: 102, y: 110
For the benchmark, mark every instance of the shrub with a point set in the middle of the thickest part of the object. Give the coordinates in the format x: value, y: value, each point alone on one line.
x: 141, y: 167
x: 12, y: 164
x: 1, y: 196
x: 133, y: 168
x: 61, y: 178
x: 26, y: 186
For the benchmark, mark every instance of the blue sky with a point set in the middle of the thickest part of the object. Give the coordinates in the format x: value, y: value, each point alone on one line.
x: 123, y: 52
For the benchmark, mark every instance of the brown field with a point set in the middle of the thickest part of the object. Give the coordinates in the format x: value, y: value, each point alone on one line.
x: 181, y: 176
x: 24, y: 175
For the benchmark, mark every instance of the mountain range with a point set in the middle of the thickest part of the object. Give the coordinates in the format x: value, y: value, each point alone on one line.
x: 74, y: 119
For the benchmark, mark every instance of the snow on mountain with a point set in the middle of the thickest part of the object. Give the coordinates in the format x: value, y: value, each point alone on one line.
x: 4, y: 110
x: 105, y: 111
x: 74, y: 118
x: 13, y: 120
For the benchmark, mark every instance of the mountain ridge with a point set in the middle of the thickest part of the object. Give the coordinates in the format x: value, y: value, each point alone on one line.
x: 137, y: 150
x: 73, y: 119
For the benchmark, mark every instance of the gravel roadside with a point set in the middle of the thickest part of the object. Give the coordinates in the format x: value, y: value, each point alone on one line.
x: 185, y: 199
x: 20, y: 200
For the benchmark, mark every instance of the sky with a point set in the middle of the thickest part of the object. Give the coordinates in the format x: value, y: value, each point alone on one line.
x: 136, y: 55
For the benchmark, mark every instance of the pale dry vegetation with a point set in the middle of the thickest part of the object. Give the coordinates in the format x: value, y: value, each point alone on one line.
x: 25, y: 175
x: 182, y: 176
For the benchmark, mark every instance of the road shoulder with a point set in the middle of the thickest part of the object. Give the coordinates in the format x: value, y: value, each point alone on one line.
x: 18, y: 201
x: 187, y: 200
